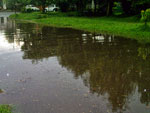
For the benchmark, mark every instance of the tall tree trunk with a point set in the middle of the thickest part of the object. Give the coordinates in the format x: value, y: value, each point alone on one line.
x: 92, y: 5
x: 109, y: 8
x: 43, y: 5
x: 4, y: 4
x: 95, y: 4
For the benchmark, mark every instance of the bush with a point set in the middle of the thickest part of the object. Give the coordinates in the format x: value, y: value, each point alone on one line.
x: 24, y: 10
x: 145, y: 16
x: 64, y: 6
x: 5, y: 109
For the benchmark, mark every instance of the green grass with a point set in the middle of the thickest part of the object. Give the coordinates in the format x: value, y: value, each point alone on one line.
x: 5, y: 109
x: 128, y: 27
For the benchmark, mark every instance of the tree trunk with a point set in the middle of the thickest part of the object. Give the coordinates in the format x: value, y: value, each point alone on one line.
x: 43, y: 5
x: 43, y: 8
x: 92, y: 5
x: 95, y: 4
x: 4, y: 4
x: 109, y: 8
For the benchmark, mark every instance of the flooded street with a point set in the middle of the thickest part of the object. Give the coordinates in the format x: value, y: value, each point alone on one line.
x: 60, y: 70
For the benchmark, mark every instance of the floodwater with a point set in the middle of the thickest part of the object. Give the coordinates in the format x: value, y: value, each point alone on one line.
x: 60, y: 70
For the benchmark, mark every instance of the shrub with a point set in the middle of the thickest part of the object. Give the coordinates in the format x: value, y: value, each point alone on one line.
x: 23, y: 10
x: 145, y: 16
x: 28, y: 10
x: 5, y: 109
x: 64, y: 6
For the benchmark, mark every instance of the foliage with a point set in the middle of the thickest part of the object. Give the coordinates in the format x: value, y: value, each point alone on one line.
x: 128, y: 27
x: 5, y: 109
x: 0, y: 4
x: 101, y: 7
x: 23, y: 10
x: 145, y: 15
x: 64, y: 6
x: 117, y: 9
x: 17, y: 4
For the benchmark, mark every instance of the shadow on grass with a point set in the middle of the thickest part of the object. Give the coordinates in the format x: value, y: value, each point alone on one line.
x: 144, y: 27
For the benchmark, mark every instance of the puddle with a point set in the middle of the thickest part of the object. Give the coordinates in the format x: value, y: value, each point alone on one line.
x: 62, y: 70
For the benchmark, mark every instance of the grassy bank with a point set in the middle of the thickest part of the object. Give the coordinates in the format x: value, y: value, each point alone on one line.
x: 5, y: 109
x: 129, y: 27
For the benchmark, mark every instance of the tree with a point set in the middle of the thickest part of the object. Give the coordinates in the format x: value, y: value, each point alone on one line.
x: 126, y: 6
x: 63, y: 4
x: 12, y: 4
x: 109, y: 7
x: 145, y: 16
x: 134, y: 6
x: 42, y: 3
x: 105, y: 6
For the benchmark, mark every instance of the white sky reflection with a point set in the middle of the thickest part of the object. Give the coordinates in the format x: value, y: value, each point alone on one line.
x: 6, y: 46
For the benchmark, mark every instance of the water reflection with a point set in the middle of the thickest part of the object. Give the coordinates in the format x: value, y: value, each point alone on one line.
x: 110, y: 66
x: 9, y: 37
x: 3, y: 20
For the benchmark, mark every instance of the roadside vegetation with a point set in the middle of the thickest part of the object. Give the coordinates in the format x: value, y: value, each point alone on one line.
x: 130, y: 27
x: 5, y: 109
x: 127, y: 18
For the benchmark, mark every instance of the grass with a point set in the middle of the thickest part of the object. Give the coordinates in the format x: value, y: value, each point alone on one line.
x: 5, y: 109
x: 128, y: 27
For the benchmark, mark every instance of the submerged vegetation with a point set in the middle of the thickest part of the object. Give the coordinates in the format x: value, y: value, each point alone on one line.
x: 130, y: 27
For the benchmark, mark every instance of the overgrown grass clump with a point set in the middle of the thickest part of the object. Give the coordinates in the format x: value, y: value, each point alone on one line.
x: 5, y: 109
x: 129, y: 27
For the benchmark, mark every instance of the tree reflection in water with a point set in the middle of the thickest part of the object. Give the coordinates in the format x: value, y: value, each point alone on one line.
x: 107, y: 65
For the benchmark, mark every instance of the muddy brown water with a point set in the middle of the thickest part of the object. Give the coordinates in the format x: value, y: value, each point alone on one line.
x: 59, y: 70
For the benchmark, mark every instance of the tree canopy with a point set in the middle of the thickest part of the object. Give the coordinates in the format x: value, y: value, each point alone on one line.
x: 103, y: 7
